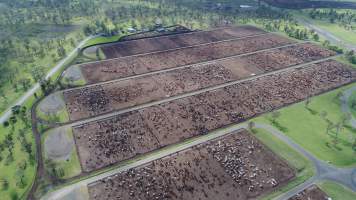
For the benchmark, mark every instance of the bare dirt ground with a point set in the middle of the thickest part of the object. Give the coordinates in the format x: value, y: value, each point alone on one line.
x: 120, y: 141
x: 134, y: 65
x: 93, y: 100
x: 236, y: 166
x: 58, y: 145
x: 73, y: 74
x: 140, y: 46
x: 311, y: 193
x: 119, y: 138
x: 52, y: 104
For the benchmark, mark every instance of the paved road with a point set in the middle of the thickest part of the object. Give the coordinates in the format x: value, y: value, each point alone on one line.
x: 324, y: 171
x: 111, y: 114
x: 29, y: 93
x: 329, y: 36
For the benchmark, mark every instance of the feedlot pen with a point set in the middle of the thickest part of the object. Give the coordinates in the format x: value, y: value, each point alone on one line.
x: 236, y: 166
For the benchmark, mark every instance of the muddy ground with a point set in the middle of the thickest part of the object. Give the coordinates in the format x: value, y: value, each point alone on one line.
x: 311, y: 193
x: 134, y: 65
x: 236, y: 166
x: 58, y: 145
x: 121, y: 137
x: 93, y: 100
x: 52, y: 104
x: 140, y: 46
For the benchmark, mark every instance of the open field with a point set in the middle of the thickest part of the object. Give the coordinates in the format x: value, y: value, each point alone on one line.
x: 140, y: 46
x: 140, y: 64
x: 93, y: 100
x: 311, y: 130
x: 102, y: 143
x: 237, y: 164
x: 336, y: 191
x: 310, y: 193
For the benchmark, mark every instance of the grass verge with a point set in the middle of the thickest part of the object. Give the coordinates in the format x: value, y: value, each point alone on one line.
x: 336, y: 191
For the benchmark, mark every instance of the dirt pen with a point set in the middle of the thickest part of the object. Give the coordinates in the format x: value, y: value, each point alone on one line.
x: 236, y: 166
x: 102, y: 143
x: 311, y: 193
x: 134, y: 65
x: 140, y: 46
x: 93, y: 100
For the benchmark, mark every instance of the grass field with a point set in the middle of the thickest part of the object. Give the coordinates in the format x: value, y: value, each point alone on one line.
x: 301, y: 164
x: 308, y: 128
x: 336, y: 191
x: 10, y: 172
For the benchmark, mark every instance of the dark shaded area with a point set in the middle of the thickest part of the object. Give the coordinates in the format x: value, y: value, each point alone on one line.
x: 301, y: 4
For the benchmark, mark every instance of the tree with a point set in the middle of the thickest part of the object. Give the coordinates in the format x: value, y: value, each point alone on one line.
x: 46, y: 86
x: 275, y: 115
x: 345, y: 118
x: 339, y: 126
x: 323, y: 114
x: 25, y: 82
x: 9, y: 158
x: 329, y: 127
x: 4, y: 184
x: 14, y: 195
x: 353, y: 104
x: 307, y: 102
x: 3, y: 95
x: 38, y: 73
x: 15, y: 110
x: 20, y: 178
x: 350, y: 56
x: 316, y: 37
x: 354, y: 144
x: 6, y: 124
x: 61, y: 51
x: 251, y: 125
x: 338, y: 97
x: 12, y: 120
x: 326, y: 43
